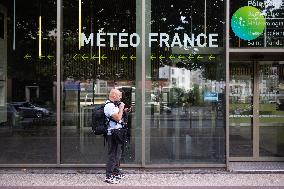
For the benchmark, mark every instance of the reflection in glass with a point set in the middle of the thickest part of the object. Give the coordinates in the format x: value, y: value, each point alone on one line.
x: 241, y: 100
x: 90, y: 72
x: 185, y: 87
x: 28, y: 82
x: 271, y: 131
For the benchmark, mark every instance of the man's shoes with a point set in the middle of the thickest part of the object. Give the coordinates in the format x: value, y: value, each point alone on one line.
x: 118, y: 175
x: 111, y: 180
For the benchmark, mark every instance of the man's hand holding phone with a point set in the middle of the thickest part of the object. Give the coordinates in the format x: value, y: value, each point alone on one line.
x: 121, y: 106
x: 128, y: 109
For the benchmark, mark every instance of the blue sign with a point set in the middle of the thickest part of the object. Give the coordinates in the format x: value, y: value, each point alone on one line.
x: 210, y: 96
x: 72, y: 86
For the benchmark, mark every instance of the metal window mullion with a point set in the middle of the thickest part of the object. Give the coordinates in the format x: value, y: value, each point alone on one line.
x: 257, y: 50
x: 256, y: 96
x: 58, y: 79
x: 227, y: 80
x: 205, y: 14
x: 14, y: 27
x: 143, y: 81
x: 271, y: 159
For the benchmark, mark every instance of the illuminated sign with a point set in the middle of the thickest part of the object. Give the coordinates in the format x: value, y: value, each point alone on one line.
x: 163, y: 39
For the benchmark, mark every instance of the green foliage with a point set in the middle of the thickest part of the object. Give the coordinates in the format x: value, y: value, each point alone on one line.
x: 197, y: 100
x: 181, y: 97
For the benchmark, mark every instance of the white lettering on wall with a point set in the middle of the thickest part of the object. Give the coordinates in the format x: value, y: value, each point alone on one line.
x: 176, y: 41
x: 87, y: 40
x: 99, y: 40
x: 133, y: 40
x: 213, y: 38
x: 151, y: 39
x: 111, y: 35
x: 164, y: 38
x: 134, y: 35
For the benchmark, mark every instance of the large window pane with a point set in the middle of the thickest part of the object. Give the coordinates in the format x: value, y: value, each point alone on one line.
x: 91, y: 71
x: 28, y: 82
x: 185, y: 87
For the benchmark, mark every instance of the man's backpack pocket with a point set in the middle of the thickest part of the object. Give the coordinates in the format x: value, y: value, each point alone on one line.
x: 99, y: 125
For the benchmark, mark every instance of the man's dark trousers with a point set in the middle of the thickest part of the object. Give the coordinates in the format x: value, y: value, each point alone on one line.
x: 114, y: 155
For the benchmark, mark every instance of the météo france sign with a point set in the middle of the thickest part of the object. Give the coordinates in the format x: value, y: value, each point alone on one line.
x: 163, y: 39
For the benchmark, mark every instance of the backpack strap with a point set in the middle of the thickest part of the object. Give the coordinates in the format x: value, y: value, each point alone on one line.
x: 110, y: 118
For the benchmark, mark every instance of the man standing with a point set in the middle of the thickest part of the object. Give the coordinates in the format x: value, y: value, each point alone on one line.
x: 113, y: 110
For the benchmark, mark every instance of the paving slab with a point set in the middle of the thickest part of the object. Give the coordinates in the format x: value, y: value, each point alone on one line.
x: 137, y: 178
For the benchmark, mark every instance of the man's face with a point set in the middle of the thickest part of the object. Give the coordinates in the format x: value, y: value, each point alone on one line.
x: 118, y: 96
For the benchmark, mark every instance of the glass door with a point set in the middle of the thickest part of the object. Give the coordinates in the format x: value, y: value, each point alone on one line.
x: 271, y: 109
x: 256, y: 110
x: 240, y: 109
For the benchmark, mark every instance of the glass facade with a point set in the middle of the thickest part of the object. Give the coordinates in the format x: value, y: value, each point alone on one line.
x: 204, y: 80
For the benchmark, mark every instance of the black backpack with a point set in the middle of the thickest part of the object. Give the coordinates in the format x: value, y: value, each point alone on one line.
x: 100, y: 121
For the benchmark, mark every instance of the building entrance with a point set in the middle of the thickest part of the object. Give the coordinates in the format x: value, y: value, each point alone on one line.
x: 256, y: 109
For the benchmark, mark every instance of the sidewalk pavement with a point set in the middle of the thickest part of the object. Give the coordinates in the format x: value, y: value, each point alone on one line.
x: 137, y: 177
